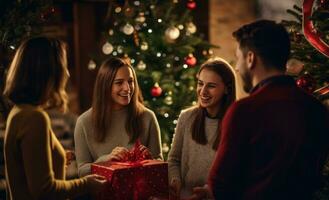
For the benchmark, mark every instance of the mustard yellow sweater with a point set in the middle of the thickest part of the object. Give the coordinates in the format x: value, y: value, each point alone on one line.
x: 34, y: 158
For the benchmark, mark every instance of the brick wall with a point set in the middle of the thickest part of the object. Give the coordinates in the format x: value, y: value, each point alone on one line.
x: 225, y: 16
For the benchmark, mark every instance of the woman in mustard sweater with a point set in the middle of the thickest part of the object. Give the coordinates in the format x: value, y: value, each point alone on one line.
x: 34, y: 158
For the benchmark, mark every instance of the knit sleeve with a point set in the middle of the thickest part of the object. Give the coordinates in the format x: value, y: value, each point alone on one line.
x: 175, y: 154
x: 82, y: 151
x: 37, y: 160
x: 154, y: 142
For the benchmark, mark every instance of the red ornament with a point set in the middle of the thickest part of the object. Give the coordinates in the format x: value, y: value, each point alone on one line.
x: 307, y: 83
x: 191, y: 5
x: 156, y: 90
x: 310, y: 32
x: 190, y: 60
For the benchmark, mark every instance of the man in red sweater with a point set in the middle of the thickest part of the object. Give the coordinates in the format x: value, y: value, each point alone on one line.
x: 274, y: 143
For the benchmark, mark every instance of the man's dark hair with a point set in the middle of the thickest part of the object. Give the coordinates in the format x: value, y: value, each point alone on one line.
x: 268, y: 40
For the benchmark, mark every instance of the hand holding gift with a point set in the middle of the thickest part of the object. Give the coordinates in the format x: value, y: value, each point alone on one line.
x: 96, y: 183
x: 174, y: 189
x: 135, y: 177
x: 139, y: 153
x: 119, y: 154
x: 70, y: 156
x: 200, y: 193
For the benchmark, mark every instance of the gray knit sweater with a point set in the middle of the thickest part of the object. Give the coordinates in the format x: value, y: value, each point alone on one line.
x: 189, y: 161
x: 89, y: 151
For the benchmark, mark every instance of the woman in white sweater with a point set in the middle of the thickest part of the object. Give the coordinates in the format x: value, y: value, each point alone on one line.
x: 116, y: 120
x: 197, y: 133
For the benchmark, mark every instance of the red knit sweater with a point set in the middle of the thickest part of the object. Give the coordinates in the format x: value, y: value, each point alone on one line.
x: 273, y: 145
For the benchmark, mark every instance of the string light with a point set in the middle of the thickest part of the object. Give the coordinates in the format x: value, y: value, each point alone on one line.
x: 137, y: 3
x: 132, y: 61
x: 117, y: 9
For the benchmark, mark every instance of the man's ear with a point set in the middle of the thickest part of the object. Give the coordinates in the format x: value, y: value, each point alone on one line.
x: 251, y: 59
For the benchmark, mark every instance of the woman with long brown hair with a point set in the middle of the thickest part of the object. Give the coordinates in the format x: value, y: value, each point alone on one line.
x: 116, y: 120
x: 34, y: 158
x: 197, y: 133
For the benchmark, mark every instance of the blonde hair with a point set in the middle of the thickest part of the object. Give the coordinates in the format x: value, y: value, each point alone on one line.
x: 38, y: 74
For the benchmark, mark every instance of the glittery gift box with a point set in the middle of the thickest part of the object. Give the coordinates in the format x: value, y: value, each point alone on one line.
x: 139, y: 180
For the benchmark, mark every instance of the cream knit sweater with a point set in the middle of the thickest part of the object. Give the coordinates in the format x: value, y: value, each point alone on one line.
x: 89, y: 151
x: 189, y: 161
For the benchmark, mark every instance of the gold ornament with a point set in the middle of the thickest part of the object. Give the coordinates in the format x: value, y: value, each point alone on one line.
x: 144, y: 46
x: 141, y: 65
x: 180, y: 27
x: 172, y: 33
x: 140, y: 18
x: 120, y: 49
x: 168, y: 100
x: 190, y: 28
x: 107, y: 48
x: 117, y: 9
x: 294, y: 66
x: 128, y: 29
x: 91, y: 65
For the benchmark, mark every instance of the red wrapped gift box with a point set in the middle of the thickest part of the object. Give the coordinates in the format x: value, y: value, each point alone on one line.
x: 138, y: 180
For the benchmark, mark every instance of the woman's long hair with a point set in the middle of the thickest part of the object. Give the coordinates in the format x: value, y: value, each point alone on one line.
x: 102, y: 101
x: 38, y: 74
x: 224, y: 70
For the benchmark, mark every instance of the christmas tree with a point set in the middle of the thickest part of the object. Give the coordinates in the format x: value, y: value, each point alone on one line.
x: 161, y: 41
x: 310, y: 64
x: 310, y: 50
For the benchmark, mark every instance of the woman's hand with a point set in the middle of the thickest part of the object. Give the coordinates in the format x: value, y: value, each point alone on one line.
x: 174, y: 189
x: 145, y: 152
x: 70, y: 156
x: 200, y: 193
x: 118, y: 154
x: 96, y: 183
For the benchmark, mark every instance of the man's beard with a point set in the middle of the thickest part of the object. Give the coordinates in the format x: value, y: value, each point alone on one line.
x: 247, y: 82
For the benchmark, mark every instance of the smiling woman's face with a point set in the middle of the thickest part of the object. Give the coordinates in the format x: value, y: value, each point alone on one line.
x: 210, y: 90
x: 122, y: 88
